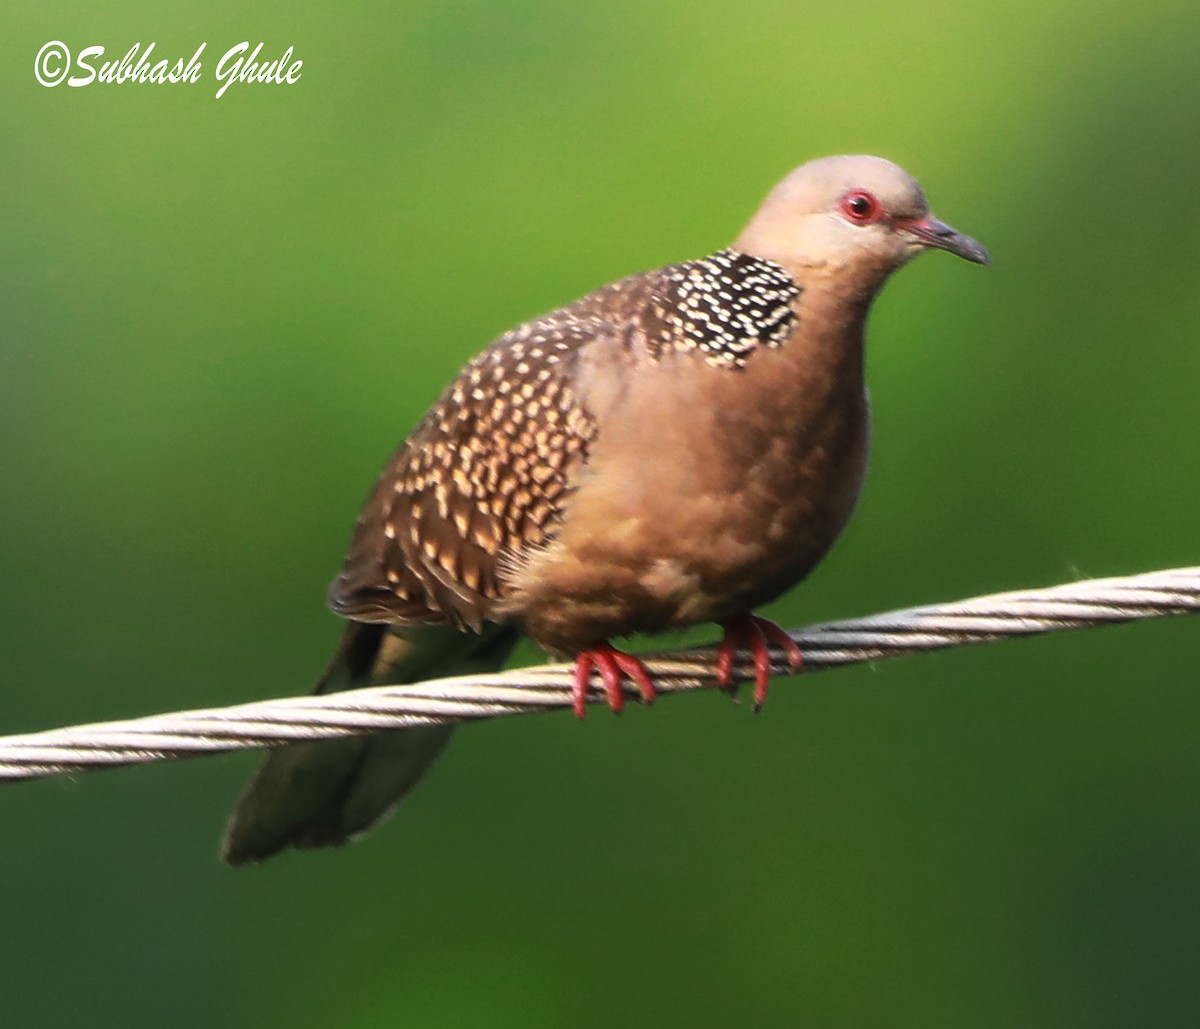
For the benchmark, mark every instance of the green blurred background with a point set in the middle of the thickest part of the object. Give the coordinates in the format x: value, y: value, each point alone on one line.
x: 219, y: 316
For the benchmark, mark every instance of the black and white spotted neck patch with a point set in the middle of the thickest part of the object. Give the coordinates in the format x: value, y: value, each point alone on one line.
x: 725, y: 305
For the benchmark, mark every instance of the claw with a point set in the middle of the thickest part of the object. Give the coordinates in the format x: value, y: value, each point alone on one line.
x: 756, y: 635
x: 613, y: 666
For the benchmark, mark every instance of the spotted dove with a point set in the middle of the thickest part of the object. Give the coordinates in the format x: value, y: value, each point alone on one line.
x: 679, y: 447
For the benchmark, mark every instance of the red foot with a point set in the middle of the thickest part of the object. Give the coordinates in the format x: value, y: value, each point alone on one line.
x: 749, y: 632
x: 612, y: 664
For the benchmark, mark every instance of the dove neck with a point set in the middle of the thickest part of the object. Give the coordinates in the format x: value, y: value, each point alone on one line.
x: 830, y: 330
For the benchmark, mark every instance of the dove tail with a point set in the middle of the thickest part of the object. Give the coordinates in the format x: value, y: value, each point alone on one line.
x: 329, y: 792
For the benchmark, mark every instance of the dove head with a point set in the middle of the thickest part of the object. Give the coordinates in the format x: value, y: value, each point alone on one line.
x: 855, y: 219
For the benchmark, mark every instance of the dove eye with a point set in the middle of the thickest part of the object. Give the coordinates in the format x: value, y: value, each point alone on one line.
x: 861, y: 207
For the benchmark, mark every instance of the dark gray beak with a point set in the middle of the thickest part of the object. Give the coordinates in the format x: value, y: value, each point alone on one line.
x: 930, y: 232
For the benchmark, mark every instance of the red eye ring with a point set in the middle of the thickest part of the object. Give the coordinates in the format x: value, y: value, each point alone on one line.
x: 861, y: 207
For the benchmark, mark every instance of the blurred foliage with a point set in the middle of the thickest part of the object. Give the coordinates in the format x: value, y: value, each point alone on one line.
x: 219, y: 316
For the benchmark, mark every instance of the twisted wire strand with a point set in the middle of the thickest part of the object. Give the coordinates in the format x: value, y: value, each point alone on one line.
x: 271, y: 723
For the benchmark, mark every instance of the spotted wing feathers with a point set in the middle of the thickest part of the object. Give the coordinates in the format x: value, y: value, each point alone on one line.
x: 482, y: 478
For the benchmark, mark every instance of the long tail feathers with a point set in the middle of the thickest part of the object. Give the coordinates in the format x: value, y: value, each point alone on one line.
x: 328, y: 792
